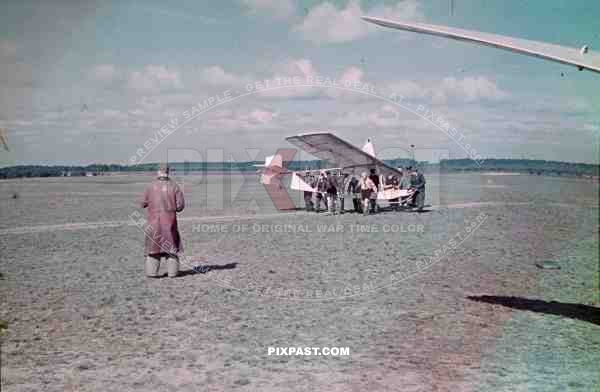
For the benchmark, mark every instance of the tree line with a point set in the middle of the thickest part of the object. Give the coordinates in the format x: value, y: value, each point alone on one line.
x: 526, y: 166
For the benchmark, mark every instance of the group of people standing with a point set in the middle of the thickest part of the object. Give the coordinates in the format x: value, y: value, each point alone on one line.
x: 331, y: 189
x: 164, y: 199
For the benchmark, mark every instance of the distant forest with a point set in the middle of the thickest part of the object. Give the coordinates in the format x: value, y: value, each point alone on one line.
x: 525, y: 166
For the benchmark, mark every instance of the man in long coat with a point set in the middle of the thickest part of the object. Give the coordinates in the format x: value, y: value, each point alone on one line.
x: 164, y: 200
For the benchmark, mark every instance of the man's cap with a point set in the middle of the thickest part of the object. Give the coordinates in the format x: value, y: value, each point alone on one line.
x: 163, y: 167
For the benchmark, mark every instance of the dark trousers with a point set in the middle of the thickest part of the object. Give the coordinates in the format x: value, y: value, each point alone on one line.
x: 420, y: 199
x: 308, y: 201
x: 319, y: 199
x: 356, y: 204
x: 373, y: 204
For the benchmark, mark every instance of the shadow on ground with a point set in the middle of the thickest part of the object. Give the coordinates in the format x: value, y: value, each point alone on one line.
x: 203, y: 269
x: 590, y: 314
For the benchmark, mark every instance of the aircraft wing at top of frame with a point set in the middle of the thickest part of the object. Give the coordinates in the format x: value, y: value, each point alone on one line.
x: 581, y: 58
x: 339, y: 153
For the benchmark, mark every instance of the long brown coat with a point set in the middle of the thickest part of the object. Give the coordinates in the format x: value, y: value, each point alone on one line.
x: 164, y: 199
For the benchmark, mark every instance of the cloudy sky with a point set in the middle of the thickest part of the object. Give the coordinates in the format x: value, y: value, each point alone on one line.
x: 94, y: 82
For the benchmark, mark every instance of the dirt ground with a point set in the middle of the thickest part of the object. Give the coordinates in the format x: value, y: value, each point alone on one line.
x: 417, y: 311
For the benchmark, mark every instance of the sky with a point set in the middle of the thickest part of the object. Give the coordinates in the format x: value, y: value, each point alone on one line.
x: 96, y: 81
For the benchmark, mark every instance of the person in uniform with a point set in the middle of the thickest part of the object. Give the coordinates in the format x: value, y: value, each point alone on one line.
x: 164, y: 200
x: 354, y: 190
x: 321, y: 186
x: 331, y: 189
x: 344, y: 189
x: 308, y: 194
x: 367, y: 188
x: 418, y: 186
x: 374, y: 177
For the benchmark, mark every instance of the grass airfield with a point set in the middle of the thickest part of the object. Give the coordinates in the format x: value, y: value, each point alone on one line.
x: 417, y: 313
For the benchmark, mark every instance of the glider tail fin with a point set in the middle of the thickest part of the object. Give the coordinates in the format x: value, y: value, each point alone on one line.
x: 369, y: 148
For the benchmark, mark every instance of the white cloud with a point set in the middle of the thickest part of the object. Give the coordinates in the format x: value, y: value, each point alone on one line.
x: 299, y: 67
x: 325, y: 23
x: 449, y: 90
x: 279, y: 9
x: 216, y: 76
x: 305, y: 70
x: 240, y: 119
x: 261, y: 116
x: 469, y: 89
x: 352, y: 74
x: 154, y: 98
x: 408, y: 89
x: 154, y: 78
x: 166, y: 86
x: 151, y: 79
x: 386, y: 116
x: 291, y: 68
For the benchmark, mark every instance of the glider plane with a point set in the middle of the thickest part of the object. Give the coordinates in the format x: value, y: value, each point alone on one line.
x: 342, y: 155
x: 582, y: 58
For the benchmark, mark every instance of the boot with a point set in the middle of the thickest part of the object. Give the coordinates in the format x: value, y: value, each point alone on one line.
x: 172, y: 267
x: 330, y: 205
x: 152, y: 266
